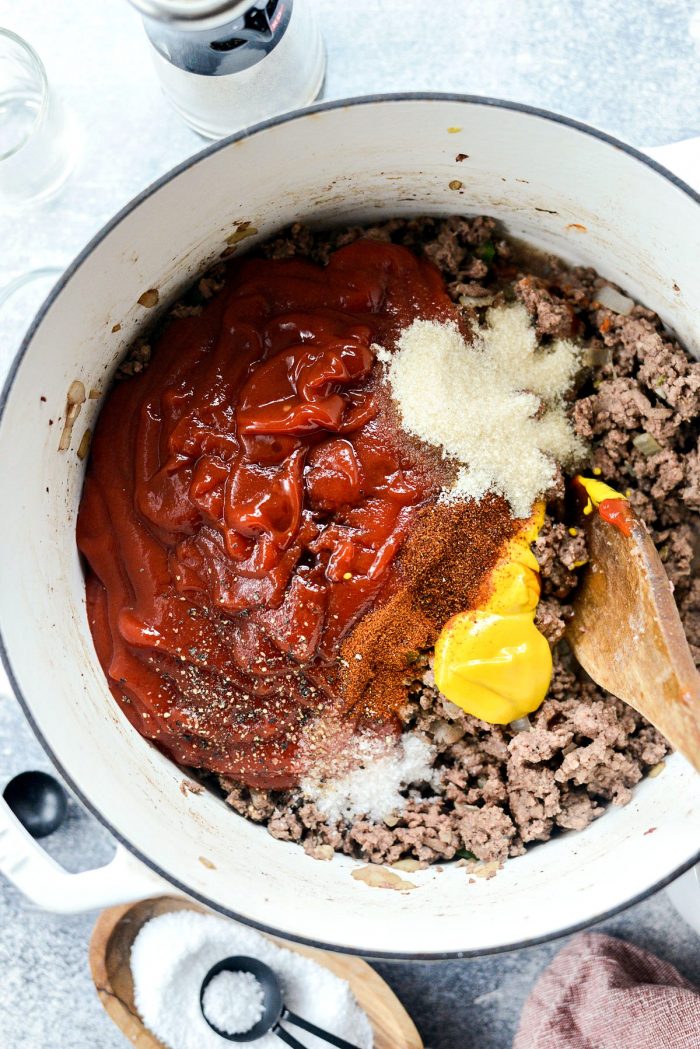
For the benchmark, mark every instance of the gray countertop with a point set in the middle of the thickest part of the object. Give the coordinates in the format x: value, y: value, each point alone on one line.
x: 633, y: 69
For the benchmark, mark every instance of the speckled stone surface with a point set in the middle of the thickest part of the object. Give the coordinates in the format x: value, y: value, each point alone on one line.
x: 633, y: 69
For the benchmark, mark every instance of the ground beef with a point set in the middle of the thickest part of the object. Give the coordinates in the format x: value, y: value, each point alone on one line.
x: 499, y: 789
x: 560, y: 550
x: 552, y: 618
x: 487, y: 832
x: 552, y: 316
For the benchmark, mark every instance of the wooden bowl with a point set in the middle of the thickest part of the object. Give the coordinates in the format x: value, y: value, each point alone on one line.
x: 110, y: 950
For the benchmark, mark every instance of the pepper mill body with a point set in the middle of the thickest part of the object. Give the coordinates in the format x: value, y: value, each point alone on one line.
x: 242, y: 64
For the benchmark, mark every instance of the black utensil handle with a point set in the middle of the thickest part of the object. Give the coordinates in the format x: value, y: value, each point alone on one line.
x: 332, y: 1039
x: 285, y: 1036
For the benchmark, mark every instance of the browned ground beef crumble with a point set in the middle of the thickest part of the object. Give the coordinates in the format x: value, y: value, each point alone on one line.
x: 502, y: 789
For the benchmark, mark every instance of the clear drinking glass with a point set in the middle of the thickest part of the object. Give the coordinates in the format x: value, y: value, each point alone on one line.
x: 37, y: 140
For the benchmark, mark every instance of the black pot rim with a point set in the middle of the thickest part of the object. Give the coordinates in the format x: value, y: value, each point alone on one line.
x: 81, y: 258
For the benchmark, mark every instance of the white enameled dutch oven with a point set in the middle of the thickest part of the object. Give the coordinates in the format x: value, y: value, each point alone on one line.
x: 558, y: 184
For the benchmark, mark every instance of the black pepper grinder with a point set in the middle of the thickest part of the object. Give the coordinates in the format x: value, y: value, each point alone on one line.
x: 227, y: 64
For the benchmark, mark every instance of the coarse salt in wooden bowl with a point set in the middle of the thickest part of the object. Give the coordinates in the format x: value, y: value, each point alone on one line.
x: 110, y: 951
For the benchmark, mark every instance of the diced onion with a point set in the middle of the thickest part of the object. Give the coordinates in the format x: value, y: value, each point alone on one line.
x: 448, y: 732
x: 476, y: 300
x: 381, y: 878
x: 596, y: 355
x: 410, y: 866
x: 84, y: 446
x: 521, y: 724
x: 75, y: 399
x: 646, y: 444
x: 614, y: 300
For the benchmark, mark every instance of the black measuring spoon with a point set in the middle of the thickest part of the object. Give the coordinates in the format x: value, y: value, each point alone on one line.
x: 274, y: 1009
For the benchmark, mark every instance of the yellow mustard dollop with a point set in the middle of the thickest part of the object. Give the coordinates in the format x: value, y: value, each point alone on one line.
x: 492, y: 661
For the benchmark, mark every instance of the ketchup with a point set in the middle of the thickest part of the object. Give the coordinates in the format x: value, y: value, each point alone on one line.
x: 612, y: 507
x: 245, y: 502
x: 617, y: 512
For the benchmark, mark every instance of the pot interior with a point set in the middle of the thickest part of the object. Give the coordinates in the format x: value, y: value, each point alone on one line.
x: 547, y: 181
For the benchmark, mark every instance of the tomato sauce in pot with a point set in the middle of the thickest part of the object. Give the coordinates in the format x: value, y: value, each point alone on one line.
x: 245, y: 505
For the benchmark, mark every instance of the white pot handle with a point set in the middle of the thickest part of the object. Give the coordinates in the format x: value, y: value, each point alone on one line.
x: 49, y: 886
x: 681, y: 158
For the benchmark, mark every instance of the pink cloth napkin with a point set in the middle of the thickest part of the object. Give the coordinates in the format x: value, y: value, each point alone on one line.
x: 603, y: 993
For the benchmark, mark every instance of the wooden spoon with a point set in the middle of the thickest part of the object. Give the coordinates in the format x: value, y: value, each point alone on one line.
x: 627, y: 634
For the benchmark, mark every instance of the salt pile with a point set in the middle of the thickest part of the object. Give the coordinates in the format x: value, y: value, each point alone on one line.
x: 173, y: 953
x: 373, y: 786
x: 233, y: 1002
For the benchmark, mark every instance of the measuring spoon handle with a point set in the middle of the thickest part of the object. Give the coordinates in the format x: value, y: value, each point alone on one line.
x: 285, y: 1036
x: 332, y: 1039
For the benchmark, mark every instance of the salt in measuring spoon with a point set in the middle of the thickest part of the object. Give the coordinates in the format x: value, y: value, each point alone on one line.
x: 274, y: 1009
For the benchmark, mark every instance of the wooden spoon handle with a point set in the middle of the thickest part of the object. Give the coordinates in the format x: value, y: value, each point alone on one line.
x: 627, y: 634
